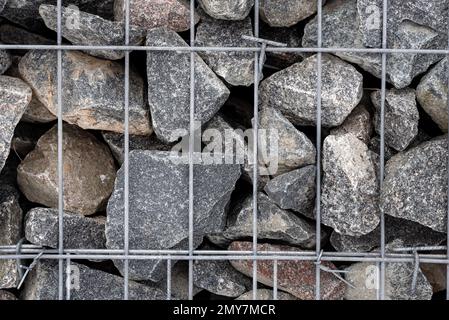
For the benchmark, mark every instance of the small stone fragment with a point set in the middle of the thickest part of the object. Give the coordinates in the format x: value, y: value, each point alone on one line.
x: 89, y: 171
x: 293, y: 91
x: 294, y: 190
x: 286, y: 13
x: 432, y: 94
x: 266, y: 294
x: 149, y: 14
x: 401, y: 117
x: 227, y: 9
x: 92, y: 90
x: 15, y: 96
x: 80, y: 232
x: 5, y: 296
x: 294, y: 277
x: 159, y: 206
x: 236, y: 68
x: 359, y: 123
x: 415, y: 185
x: 169, y: 87
x: 273, y: 223
x: 350, y: 189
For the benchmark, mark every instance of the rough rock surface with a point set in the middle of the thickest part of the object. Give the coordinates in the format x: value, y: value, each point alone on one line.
x: 227, y: 9
x: 5, y: 61
x: 294, y: 277
x: 294, y: 148
x: 401, y: 117
x: 359, y: 123
x: 5, y: 296
x: 294, y: 190
x: 273, y: 223
x: 236, y: 68
x: 286, y: 13
x: 91, y: 30
x: 87, y: 183
x: 293, y: 91
x: 12, y: 34
x: 42, y: 284
x: 374, y: 146
x: 10, y: 232
x: 415, y: 186
x: 15, y: 96
x: 432, y: 94
x: 266, y: 294
x: 350, y: 190
x: 92, y: 90
x: 343, y: 23
x: 149, y: 14
x: 436, y: 275
x: 169, y: 87
x: 41, y: 228
x: 412, y: 234
x: 159, y: 206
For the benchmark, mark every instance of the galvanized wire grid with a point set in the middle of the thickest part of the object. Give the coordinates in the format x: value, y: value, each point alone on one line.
x: 29, y: 251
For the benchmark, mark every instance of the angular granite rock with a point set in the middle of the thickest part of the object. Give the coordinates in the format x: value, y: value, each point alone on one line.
x: 6, y: 295
x: 286, y: 13
x: 92, y: 90
x: 149, y: 14
x: 294, y: 148
x: 350, y: 189
x: 359, y: 123
x: 80, y: 232
x: 10, y: 232
x: 293, y: 91
x: 294, y: 190
x: 159, y: 206
x: 401, y: 117
x: 87, y: 284
x: 91, y: 30
x: 169, y: 87
x: 412, y: 234
x: 294, y: 277
x: 236, y: 68
x: 227, y: 9
x: 89, y: 171
x: 432, y: 94
x: 415, y: 185
x: 266, y: 294
x: 15, y: 96
x: 219, y: 277
x: 273, y: 224
x: 342, y: 25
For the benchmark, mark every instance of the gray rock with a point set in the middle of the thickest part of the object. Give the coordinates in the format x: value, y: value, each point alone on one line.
x: 87, y: 284
x: 350, y: 189
x: 294, y: 149
x: 169, y: 87
x: 412, y: 234
x: 227, y: 9
x: 343, y: 23
x: 236, y: 68
x: 359, y: 123
x: 273, y: 223
x: 293, y: 91
x: 294, y: 190
x: 80, y: 232
x: 10, y: 232
x: 432, y: 94
x: 91, y: 30
x: 5, y: 61
x: 116, y: 143
x: 266, y: 294
x: 87, y: 183
x: 149, y: 14
x: 5, y: 296
x: 92, y: 90
x: 286, y: 13
x: 158, y: 211
x: 219, y: 277
x: 415, y: 185
x: 15, y: 96
x: 374, y: 146
x: 401, y: 117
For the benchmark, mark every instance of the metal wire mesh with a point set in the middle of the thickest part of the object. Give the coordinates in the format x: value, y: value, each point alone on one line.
x: 65, y: 255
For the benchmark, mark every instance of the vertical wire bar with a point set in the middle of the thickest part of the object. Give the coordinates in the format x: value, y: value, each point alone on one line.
x: 191, y: 144
x: 60, y: 159
x: 318, y: 152
x: 275, y: 280
x: 168, y: 278
x: 255, y: 148
x: 126, y: 161
x: 68, y: 281
x: 447, y: 225
x: 382, y: 146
